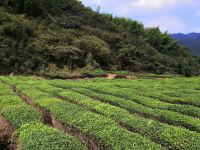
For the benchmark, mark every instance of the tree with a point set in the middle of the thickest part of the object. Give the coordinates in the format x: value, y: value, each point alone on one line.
x: 66, y: 55
x: 95, y: 48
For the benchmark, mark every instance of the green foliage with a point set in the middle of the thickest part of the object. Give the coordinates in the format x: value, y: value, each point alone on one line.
x: 155, y: 130
x: 19, y: 115
x: 93, y: 73
x: 15, y: 110
x: 65, y: 55
x: 161, y: 113
x: 121, y: 107
x: 103, y: 129
x: 18, y: 28
x: 39, y: 7
x: 37, y: 33
x: 96, y: 50
x: 26, y: 121
x: 38, y: 136
x: 160, y: 109
x: 108, y: 133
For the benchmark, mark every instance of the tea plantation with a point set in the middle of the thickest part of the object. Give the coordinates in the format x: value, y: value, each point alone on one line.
x: 99, y: 114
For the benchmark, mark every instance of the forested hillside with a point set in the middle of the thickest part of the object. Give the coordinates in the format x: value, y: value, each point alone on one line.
x: 38, y: 34
x: 191, y: 40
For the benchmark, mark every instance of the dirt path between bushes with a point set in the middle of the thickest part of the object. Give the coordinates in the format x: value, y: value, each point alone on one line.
x: 5, y: 133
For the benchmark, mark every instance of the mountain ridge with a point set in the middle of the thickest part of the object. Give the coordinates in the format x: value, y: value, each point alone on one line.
x: 191, y: 40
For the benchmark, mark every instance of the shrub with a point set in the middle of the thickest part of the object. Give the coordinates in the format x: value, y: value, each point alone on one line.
x: 19, y: 115
x: 37, y: 136
x: 94, y: 73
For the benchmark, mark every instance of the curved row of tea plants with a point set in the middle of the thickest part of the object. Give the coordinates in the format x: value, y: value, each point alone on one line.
x: 150, y: 128
x: 162, y: 93
x: 103, y: 129
x: 97, y: 109
x: 37, y: 136
x: 167, y: 116
x: 156, y: 131
x: 141, y: 98
x: 15, y: 110
x: 154, y: 99
x: 28, y: 128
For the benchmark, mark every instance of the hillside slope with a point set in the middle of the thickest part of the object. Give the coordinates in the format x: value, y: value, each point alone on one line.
x: 191, y: 40
x: 38, y: 34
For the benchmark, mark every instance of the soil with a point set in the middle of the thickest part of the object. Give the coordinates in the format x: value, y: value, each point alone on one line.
x: 5, y: 133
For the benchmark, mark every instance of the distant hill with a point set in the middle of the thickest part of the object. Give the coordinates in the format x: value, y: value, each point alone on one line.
x: 192, y: 40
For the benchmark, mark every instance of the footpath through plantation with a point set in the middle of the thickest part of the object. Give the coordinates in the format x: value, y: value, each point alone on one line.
x: 99, y: 114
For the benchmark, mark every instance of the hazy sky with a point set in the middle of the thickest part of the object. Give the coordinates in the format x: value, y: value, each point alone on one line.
x: 171, y: 15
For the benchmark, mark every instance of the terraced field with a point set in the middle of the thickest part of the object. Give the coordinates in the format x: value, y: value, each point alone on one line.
x: 99, y: 114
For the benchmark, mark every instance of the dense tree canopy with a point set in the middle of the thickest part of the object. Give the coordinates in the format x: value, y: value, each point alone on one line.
x: 37, y: 33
